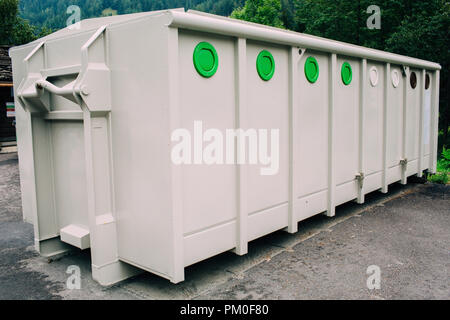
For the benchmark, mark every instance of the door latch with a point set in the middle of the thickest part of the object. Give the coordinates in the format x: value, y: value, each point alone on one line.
x: 360, y: 178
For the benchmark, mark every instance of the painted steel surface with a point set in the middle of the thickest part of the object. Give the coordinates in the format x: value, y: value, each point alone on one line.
x: 96, y: 107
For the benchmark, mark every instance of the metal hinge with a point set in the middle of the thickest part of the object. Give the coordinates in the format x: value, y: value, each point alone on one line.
x: 404, y: 162
x: 360, y: 178
x: 404, y: 71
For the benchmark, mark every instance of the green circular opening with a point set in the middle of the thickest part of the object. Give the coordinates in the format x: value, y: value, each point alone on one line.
x: 265, y: 65
x: 206, y: 60
x: 346, y: 73
x: 311, y: 69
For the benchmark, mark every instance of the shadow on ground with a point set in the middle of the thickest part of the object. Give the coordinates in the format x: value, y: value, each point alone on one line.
x: 405, y: 233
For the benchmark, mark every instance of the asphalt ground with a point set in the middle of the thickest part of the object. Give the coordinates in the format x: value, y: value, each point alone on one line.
x: 403, y: 235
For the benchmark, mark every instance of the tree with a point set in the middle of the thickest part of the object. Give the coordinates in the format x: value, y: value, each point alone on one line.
x: 266, y: 12
x: 287, y: 14
x: 426, y: 35
x: 343, y: 20
x: 24, y: 32
x: 14, y: 30
x: 8, y: 16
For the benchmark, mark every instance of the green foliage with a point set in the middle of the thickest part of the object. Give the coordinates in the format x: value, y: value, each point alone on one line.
x: 441, y: 178
x: 443, y: 168
x: 425, y: 34
x: 443, y: 164
x: 266, y: 12
x: 8, y: 18
x: 287, y: 14
x: 44, y: 32
x: 52, y: 13
x: 23, y: 32
x: 337, y: 20
x: 220, y: 7
x: 109, y: 12
x: 14, y: 29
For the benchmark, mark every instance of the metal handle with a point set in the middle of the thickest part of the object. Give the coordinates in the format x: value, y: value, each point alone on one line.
x: 50, y: 87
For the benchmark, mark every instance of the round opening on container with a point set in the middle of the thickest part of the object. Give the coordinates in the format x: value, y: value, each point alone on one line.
x: 265, y: 65
x: 427, y: 81
x: 413, y: 80
x: 311, y: 69
x: 346, y: 73
x: 395, y: 76
x: 206, y: 60
x: 373, y: 76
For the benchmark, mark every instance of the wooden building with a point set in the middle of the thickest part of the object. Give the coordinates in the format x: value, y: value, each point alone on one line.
x: 7, y: 111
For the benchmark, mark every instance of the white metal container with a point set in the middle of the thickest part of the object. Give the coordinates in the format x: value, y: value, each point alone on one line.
x: 96, y: 107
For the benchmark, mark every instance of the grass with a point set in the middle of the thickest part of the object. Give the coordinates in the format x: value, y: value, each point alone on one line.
x: 442, y: 168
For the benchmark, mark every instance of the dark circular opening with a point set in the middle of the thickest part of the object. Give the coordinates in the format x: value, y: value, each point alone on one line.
x: 427, y: 81
x: 413, y: 80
